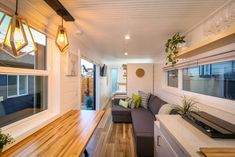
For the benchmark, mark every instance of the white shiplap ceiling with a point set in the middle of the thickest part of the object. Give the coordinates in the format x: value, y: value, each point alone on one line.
x: 149, y: 22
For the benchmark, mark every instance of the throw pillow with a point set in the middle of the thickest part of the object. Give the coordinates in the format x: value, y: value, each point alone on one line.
x: 137, y: 99
x: 155, y: 103
x: 166, y: 109
x: 129, y: 100
x: 144, y: 98
x: 123, y: 103
x: 133, y: 104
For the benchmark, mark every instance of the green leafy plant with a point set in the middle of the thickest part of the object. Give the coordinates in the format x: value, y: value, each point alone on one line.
x: 188, y: 106
x: 89, y: 102
x: 171, y: 48
x: 5, y: 139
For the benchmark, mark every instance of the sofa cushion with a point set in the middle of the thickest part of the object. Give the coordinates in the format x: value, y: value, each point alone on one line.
x: 123, y: 103
x: 144, y: 99
x: 119, y: 110
x: 137, y: 99
x: 143, y: 122
x: 155, y: 104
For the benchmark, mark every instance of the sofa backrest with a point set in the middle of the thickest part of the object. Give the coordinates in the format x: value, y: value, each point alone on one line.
x: 155, y: 103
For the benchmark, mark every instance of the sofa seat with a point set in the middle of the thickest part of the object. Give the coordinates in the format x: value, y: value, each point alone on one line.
x: 143, y: 127
x: 121, y: 114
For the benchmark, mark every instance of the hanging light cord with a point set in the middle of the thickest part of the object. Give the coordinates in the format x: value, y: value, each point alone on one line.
x: 62, y: 20
x: 16, y: 12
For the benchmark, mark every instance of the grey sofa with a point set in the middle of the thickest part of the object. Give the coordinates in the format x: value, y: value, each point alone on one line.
x: 143, y: 123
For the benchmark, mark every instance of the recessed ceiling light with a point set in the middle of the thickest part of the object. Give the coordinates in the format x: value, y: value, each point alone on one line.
x: 125, y: 53
x: 127, y: 37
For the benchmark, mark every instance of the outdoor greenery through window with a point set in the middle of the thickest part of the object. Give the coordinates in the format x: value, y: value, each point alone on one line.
x: 216, y: 79
x: 172, y: 78
x: 23, y: 94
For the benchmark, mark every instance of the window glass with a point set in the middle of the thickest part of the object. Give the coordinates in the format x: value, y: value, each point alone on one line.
x: 31, y: 97
x: 172, y: 78
x: 212, y: 79
x: 23, y: 84
x: 12, y: 85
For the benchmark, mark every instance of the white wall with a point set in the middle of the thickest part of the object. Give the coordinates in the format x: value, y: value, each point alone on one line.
x: 105, y: 91
x: 70, y: 86
x: 134, y: 83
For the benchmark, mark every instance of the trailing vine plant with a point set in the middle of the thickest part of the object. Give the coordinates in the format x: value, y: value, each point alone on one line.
x: 171, y: 48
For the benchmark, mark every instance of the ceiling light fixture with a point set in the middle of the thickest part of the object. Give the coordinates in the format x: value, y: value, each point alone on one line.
x: 17, y: 37
x: 125, y: 53
x: 62, y: 38
x: 127, y: 37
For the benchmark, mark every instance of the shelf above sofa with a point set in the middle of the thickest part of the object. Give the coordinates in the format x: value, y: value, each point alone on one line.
x: 211, y: 43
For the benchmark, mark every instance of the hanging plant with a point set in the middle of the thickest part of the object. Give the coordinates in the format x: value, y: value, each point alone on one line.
x: 172, y: 46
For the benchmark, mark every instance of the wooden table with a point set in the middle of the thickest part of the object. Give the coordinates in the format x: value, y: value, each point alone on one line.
x: 66, y: 136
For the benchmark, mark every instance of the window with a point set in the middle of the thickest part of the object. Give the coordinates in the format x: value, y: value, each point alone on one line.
x: 216, y: 79
x: 17, y: 85
x: 23, y: 92
x: 172, y: 78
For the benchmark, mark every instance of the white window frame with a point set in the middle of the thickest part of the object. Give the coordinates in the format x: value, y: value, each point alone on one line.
x: 178, y: 90
x: 18, y: 86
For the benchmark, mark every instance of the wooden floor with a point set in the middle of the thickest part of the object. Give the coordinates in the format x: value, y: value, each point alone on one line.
x: 112, y: 139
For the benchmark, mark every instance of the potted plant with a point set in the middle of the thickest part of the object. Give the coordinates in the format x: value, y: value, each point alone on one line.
x: 172, y: 48
x: 4, y: 140
x: 188, y: 106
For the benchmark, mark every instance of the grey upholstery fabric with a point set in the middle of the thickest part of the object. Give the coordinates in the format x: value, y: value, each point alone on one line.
x: 143, y: 123
x: 142, y: 120
x: 117, y: 109
x: 155, y: 103
x: 143, y: 128
x: 120, y: 114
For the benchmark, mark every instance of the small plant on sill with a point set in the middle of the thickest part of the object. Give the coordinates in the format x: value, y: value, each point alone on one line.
x: 188, y: 106
x: 4, y: 140
x: 172, y: 48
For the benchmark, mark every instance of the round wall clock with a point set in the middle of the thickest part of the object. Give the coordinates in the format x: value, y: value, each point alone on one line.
x: 140, y: 72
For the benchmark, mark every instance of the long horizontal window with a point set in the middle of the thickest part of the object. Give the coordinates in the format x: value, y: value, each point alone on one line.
x: 21, y: 96
x: 172, y: 78
x: 212, y: 79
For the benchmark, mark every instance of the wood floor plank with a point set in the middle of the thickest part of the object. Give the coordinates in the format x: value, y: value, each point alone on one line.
x: 112, y: 139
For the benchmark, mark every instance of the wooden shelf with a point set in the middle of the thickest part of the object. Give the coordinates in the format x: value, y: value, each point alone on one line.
x: 211, y: 43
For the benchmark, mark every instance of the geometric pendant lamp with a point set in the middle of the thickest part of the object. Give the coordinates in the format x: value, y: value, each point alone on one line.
x: 18, y: 39
x: 62, y: 38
